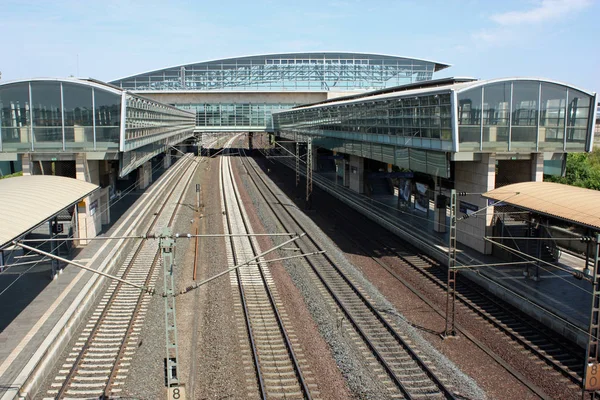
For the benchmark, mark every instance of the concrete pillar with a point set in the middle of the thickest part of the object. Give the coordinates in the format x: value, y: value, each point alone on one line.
x: 537, y: 167
x: 356, y: 178
x: 26, y: 164
x: 144, y: 178
x: 475, y: 177
x: 167, y: 160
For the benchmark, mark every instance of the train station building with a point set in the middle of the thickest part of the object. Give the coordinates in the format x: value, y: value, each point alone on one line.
x: 88, y: 130
x: 369, y: 116
x: 465, y: 134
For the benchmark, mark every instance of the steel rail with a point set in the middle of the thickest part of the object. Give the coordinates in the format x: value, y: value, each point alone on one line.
x: 259, y: 377
x: 431, y: 375
x: 478, y: 309
x: 73, y: 370
x: 282, y: 330
x: 539, y: 392
x: 138, y: 305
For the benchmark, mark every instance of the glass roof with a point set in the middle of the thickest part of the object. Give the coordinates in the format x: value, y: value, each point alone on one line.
x: 321, y: 71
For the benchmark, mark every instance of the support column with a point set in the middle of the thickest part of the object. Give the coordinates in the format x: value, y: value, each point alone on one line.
x: 537, y: 167
x: 475, y: 177
x: 356, y: 178
x: 167, y: 160
x: 26, y: 164
x: 52, y: 227
x: 144, y: 177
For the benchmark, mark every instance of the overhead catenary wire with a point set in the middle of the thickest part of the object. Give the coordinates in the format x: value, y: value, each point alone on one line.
x: 525, y: 256
x: 204, y: 282
x: 7, y: 268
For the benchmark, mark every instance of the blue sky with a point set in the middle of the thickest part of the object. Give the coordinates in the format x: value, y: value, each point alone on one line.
x: 110, y: 39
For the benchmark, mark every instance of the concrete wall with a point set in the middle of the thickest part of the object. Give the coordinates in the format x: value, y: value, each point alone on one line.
x: 475, y: 177
x: 356, y: 175
x: 237, y: 97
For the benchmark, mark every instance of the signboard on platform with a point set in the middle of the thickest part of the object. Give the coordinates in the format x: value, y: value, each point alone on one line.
x: 467, y: 208
x: 421, y: 197
x: 404, y: 192
x: 93, y: 207
x: 404, y: 174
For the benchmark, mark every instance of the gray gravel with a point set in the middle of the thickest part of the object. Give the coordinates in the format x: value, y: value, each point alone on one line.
x: 359, y: 376
x: 146, y: 379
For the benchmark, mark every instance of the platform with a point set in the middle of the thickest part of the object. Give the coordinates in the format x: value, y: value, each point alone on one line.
x: 44, y: 305
x: 557, y: 299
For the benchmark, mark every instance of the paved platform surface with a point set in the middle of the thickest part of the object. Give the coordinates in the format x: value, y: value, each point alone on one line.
x: 32, y: 306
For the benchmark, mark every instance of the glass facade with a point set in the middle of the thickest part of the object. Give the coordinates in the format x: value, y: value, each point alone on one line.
x: 523, y: 115
x: 295, y: 71
x: 149, y: 122
x: 52, y: 115
x: 416, y: 128
x: 235, y: 116
x: 76, y: 115
x: 15, y: 117
x: 415, y: 121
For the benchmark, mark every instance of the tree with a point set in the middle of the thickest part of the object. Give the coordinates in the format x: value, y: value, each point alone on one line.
x: 583, y: 170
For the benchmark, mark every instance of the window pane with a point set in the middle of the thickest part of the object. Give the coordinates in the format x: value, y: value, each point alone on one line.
x: 552, y: 117
x: 47, y: 118
x: 79, y: 116
x: 108, y: 118
x: 524, y: 114
x: 469, y: 119
x: 14, y: 116
x: 496, y: 102
x: 578, y: 113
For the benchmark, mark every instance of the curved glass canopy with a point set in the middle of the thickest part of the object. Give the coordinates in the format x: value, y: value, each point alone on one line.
x: 518, y: 115
x: 74, y: 115
x: 322, y: 71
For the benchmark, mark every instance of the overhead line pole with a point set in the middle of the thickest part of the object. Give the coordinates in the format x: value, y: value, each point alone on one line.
x: 591, y: 370
x: 309, y: 173
x: 451, y: 279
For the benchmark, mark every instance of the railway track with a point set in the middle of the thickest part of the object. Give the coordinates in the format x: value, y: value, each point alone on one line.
x: 278, y: 371
x: 559, y: 354
x: 563, y: 356
x: 98, y: 364
x: 405, y: 373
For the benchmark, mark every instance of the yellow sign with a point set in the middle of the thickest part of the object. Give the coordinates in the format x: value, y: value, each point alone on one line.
x: 592, y: 377
x: 177, y: 393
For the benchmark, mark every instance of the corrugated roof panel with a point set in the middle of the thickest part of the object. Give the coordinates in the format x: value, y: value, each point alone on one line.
x: 571, y: 203
x: 27, y: 201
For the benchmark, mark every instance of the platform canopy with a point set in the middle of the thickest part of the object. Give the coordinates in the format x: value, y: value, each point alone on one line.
x: 28, y: 201
x: 570, y: 203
